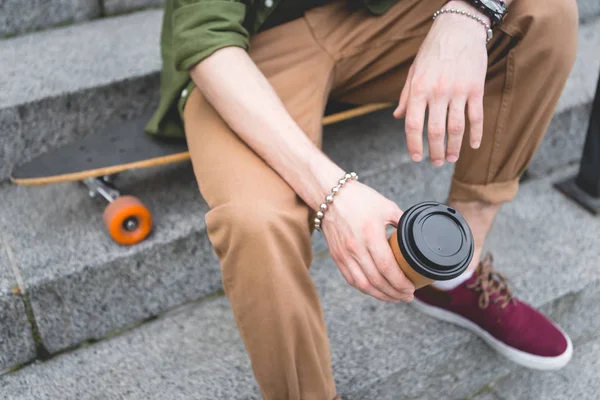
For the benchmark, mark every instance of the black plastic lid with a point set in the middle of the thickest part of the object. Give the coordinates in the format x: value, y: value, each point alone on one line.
x: 435, y: 240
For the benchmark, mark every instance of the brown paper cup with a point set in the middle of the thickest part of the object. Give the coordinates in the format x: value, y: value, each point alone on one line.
x: 417, y: 279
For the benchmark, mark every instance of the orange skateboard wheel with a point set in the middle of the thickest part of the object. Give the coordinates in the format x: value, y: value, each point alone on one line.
x: 127, y: 220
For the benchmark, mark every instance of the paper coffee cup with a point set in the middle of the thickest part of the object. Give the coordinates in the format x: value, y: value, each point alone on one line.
x: 433, y: 242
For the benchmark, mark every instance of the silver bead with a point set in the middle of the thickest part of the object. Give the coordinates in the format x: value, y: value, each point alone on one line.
x: 323, y: 207
x: 342, y: 182
x: 329, y: 198
x: 353, y: 175
x: 317, y: 221
x: 320, y: 214
x: 335, y: 190
x: 347, y: 176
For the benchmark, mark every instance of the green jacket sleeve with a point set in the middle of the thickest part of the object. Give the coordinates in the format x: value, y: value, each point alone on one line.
x: 201, y: 27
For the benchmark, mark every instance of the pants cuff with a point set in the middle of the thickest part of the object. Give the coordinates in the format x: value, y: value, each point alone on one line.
x: 494, y: 193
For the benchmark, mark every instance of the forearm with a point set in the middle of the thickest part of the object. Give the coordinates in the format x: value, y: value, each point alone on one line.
x: 244, y: 98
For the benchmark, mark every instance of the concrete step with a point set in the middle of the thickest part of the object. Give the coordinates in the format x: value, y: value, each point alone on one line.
x: 17, y: 17
x: 80, y: 285
x: 90, y: 87
x: 20, y: 16
x: 542, y: 241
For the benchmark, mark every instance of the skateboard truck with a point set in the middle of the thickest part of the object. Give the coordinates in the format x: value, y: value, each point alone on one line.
x: 102, y: 186
x: 127, y: 219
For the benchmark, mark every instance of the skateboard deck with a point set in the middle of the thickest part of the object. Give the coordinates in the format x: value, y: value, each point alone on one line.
x: 94, y: 159
x: 126, y: 146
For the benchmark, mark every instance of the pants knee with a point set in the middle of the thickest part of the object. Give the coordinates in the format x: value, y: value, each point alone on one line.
x: 259, y: 239
x: 553, y: 27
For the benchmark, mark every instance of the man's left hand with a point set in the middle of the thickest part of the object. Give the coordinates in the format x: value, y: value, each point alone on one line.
x: 447, y: 78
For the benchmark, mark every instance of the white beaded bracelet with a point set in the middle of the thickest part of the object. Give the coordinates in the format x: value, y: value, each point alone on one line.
x: 488, y: 28
x: 329, y: 198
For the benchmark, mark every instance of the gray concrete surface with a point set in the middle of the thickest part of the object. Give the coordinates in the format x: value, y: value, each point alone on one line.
x: 485, y: 396
x: 82, y: 285
x: 581, y: 380
x: 18, y: 16
x: 588, y: 9
x: 120, y: 6
x: 544, y: 243
x: 116, y: 79
x: 16, y: 341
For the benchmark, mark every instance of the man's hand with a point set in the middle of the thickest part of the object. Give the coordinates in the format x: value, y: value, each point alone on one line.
x: 447, y: 78
x: 354, y: 227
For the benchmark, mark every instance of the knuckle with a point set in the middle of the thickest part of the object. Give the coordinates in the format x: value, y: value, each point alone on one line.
x: 441, y: 89
x: 435, y: 133
x: 460, y: 90
x: 476, y: 118
x: 420, y: 87
x: 456, y: 128
x: 387, y: 266
x: 413, y: 124
x: 362, y: 285
x: 351, y: 246
x: 349, y: 279
x: 377, y: 282
x: 368, y: 229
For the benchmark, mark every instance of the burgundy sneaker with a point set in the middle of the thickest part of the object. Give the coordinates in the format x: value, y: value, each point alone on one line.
x: 485, y: 305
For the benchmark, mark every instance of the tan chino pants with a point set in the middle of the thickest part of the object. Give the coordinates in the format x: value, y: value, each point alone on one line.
x: 260, y: 228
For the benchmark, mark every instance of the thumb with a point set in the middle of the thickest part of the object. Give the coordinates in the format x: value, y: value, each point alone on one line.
x: 394, y: 214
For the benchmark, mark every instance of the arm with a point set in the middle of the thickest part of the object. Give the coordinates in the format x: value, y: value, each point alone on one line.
x: 233, y: 84
x: 355, y: 224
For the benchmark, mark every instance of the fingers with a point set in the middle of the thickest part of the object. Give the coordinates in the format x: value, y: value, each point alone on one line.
x: 376, y: 282
x: 388, y: 267
x: 362, y: 283
x: 400, y: 111
x: 475, y: 112
x: 415, y: 117
x: 436, y: 131
x: 394, y: 215
x: 344, y: 270
x: 456, y: 128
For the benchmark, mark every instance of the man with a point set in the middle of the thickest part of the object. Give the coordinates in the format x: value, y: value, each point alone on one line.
x: 248, y: 82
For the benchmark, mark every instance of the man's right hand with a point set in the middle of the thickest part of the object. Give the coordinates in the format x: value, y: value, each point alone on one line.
x: 354, y: 227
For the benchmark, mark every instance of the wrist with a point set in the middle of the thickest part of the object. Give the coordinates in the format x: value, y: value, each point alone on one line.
x: 325, y: 174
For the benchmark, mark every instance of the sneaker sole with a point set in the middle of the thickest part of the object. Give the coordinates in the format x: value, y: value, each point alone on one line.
x: 515, y: 355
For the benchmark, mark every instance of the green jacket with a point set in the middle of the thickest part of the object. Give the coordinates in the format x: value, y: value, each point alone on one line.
x: 193, y: 30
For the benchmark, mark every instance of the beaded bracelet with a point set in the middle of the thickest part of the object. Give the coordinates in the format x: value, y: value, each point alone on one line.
x: 488, y: 28
x: 329, y: 198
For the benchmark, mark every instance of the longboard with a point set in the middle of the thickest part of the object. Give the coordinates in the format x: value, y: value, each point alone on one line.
x: 95, y: 159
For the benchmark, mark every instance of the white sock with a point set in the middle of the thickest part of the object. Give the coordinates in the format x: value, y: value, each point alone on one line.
x: 453, y: 283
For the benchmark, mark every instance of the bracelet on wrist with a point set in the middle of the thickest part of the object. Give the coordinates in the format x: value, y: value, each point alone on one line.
x: 329, y: 198
x: 488, y: 28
